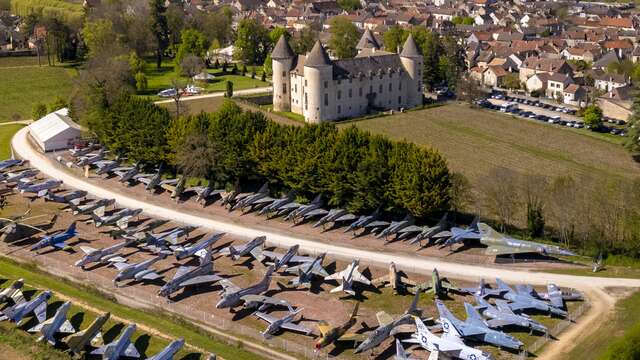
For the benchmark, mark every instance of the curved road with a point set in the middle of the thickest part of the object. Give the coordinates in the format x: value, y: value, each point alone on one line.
x: 601, y: 302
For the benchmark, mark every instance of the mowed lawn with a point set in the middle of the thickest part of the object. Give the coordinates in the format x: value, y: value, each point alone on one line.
x: 6, y: 133
x: 475, y: 140
x: 28, y: 84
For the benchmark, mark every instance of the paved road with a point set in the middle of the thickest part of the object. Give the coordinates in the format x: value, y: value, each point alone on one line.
x: 220, y: 94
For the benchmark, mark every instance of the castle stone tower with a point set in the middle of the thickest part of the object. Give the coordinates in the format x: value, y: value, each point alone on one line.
x: 318, y: 71
x: 282, y: 61
x: 412, y: 60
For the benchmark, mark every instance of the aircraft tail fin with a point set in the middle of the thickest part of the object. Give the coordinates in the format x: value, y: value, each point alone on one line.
x: 413, y: 308
x: 474, y: 223
x: 472, y: 314
x: 267, y: 275
x: 354, y: 313
x: 72, y: 228
x: 400, y: 353
x: 317, y: 200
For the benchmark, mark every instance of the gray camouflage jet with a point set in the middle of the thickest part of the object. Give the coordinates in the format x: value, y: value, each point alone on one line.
x: 258, y: 198
x: 169, y: 351
x: 347, y: 277
x: 204, y: 193
x: 127, y: 174
x: 306, y: 211
x: 481, y: 290
x: 75, y: 196
x: 191, y: 275
x: 91, y: 335
x: 556, y: 296
x: 500, y: 244
x: 367, y: 222
x: 155, y: 180
x: 522, y: 300
x: 119, y: 218
x: 37, y: 305
x: 90, y: 207
x: 399, y: 228
x: 13, y: 293
x: 137, y: 272
x: 283, y: 260
x: 160, y: 242
x: 40, y: 188
x: 474, y: 327
x: 90, y: 159
x: 57, y: 324
x: 108, y: 254
x: 138, y: 233
x: 436, y: 232
x: 501, y: 315
x: 121, y: 347
x: 233, y: 295
x: 195, y: 249
x: 306, y: 271
x: 387, y: 325
x: 279, y: 204
x: 286, y: 322
x: 106, y: 166
x: 458, y: 235
x: 335, y: 216
x: 252, y: 248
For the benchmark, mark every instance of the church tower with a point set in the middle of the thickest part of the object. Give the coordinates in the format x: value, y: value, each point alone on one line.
x: 281, y: 63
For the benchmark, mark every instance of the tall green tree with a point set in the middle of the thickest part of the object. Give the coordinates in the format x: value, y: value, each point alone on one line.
x: 192, y: 42
x: 303, y: 43
x: 159, y: 28
x: 252, y: 42
x: 276, y: 33
x: 344, y: 37
x: 394, y: 38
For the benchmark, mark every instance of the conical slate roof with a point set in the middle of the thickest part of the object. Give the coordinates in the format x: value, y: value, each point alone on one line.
x: 282, y: 50
x: 410, y: 49
x: 368, y: 41
x: 317, y: 56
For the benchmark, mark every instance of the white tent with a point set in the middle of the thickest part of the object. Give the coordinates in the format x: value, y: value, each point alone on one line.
x: 55, y: 131
x: 203, y: 76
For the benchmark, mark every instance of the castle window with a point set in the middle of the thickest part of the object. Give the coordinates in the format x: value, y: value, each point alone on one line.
x: 339, y: 94
x: 326, y: 99
x: 350, y: 93
x: 326, y: 84
x: 284, y: 74
x: 305, y: 82
x: 350, y: 81
x: 380, y: 88
x: 390, y: 87
x: 295, y: 87
x: 284, y: 88
x: 360, y: 92
x: 370, y: 89
x: 339, y: 109
x: 399, y: 99
x: 339, y: 81
x: 400, y: 85
x: 306, y: 102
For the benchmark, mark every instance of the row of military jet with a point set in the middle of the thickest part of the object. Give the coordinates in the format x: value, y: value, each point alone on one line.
x: 261, y: 201
x: 17, y: 309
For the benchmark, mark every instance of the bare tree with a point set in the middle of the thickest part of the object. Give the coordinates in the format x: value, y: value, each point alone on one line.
x: 180, y: 106
x: 197, y: 156
x: 459, y: 193
x: 500, y: 194
x: 191, y: 65
x: 534, y: 189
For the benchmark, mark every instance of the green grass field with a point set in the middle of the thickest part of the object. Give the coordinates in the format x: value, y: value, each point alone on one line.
x: 474, y: 141
x: 162, y: 322
x: 160, y: 79
x: 6, y: 133
x: 25, y: 85
x: 626, y: 315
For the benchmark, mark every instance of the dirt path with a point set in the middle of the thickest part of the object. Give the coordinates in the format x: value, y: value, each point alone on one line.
x: 220, y: 94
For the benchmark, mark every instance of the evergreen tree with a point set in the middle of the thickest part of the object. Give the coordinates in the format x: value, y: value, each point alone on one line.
x: 159, y: 28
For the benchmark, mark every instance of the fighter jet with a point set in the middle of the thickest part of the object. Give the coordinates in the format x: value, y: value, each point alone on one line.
x: 474, y: 327
x: 233, y: 295
x: 439, y: 231
x: 522, y: 300
x: 203, y: 193
x: 160, y: 242
x: 108, y: 254
x: 335, y: 216
x: 120, y: 218
x: 90, y: 207
x: 348, y: 276
x: 175, y: 189
x: 279, y: 204
x: 481, y: 290
x: 91, y: 159
x: 40, y: 188
x: 401, y: 354
x: 258, y: 198
x: 367, y: 222
x: 306, y: 271
x: 154, y: 181
x: 387, y: 325
x: 127, y: 174
x: 229, y: 198
x: 73, y: 196
x: 106, y: 166
x: 14, y: 177
x: 9, y: 163
x: 56, y: 240
x: 37, y: 305
x: 438, y: 286
x: 556, y: 296
x: 330, y: 335
x: 501, y: 315
x: 57, y: 324
x: 286, y: 322
x: 13, y: 293
x: 203, y: 245
x: 91, y: 335
x: 252, y: 248
x: 137, y: 272
x: 283, y: 260
x: 395, y: 280
x: 459, y: 235
x: 450, y: 344
x: 306, y: 211
x: 77, y: 152
x: 138, y: 233
x: 168, y: 352
x: 121, y: 347
x: 191, y: 275
x: 399, y: 228
x: 499, y: 244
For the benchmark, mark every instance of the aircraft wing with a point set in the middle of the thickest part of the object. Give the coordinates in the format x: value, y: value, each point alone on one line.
x: 18, y: 297
x: 556, y: 300
x: 182, y: 270
x: 266, y: 317
x: 120, y: 265
x: 494, y: 323
x: 295, y: 327
x: 228, y: 286
x: 124, y: 222
x: 168, y: 182
x: 201, y: 280
x: 447, y: 285
x: 116, y: 260
x: 291, y: 205
x: 315, y: 212
x: 168, y: 187
x: 357, y: 276
x: 352, y: 337
x: 59, y: 245
x: 323, y: 327
x: 496, y: 250
x: 346, y: 217
x: 66, y: 328
x: 131, y: 351
x: 449, y: 346
x: 336, y: 275
x: 272, y: 254
x: 265, y: 300
x: 151, y: 276
x: 300, y: 258
x: 410, y: 229
x: 143, y: 179
x: 465, y: 234
x: 383, y: 318
x: 442, y: 234
x: 319, y: 270
x: 518, y: 306
x: 264, y: 200
x: 41, y: 311
x: 375, y: 224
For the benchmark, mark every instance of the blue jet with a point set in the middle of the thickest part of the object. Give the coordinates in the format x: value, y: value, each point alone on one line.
x: 56, y: 240
x: 38, y: 306
x: 9, y: 163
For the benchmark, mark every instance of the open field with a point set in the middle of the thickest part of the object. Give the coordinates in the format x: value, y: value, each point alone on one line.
x: 6, y: 133
x: 23, y: 87
x: 160, y: 79
x: 474, y: 141
x: 625, y: 316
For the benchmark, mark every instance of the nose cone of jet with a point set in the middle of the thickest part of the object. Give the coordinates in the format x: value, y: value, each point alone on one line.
x: 223, y: 303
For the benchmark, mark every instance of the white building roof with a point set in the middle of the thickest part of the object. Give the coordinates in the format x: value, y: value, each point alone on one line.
x: 53, y: 127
